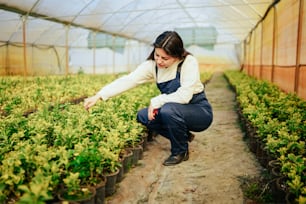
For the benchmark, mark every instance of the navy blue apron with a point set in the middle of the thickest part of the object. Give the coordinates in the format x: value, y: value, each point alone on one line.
x: 175, y: 120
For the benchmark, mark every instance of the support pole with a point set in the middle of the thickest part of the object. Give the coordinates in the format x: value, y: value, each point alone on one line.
x: 94, y: 52
x: 273, y: 42
x: 254, y: 53
x: 139, y: 51
x: 114, y: 54
x: 67, y: 50
x: 261, y: 51
x: 249, y: 53
x: 24, y: 40
x: 243, y: 66
x: 128, y: 47
x: 298, y: 47
x: 7, y: 61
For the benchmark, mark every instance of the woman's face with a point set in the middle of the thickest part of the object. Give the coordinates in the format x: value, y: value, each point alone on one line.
x: 162, y: 59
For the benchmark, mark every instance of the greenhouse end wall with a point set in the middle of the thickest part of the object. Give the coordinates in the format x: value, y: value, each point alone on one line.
x: 275, y: 50
x: 40, y: 60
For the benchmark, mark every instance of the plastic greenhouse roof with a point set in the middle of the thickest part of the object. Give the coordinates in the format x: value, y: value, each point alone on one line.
x: 198, y: 21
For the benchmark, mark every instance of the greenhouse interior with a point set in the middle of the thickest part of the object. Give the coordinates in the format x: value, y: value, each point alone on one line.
x: 55, y: 55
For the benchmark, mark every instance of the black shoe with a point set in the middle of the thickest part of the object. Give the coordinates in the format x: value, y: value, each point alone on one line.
x: 190, y: 136
x: 176, y: 159
x: 151, y: 135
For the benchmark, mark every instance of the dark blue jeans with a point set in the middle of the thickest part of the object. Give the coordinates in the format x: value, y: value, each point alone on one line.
x: 175, y: 120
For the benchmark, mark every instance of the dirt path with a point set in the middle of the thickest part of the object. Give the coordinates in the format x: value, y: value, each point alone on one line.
x: 217, y: 157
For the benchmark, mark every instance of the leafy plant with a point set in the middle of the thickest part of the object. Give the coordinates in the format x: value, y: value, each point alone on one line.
x: 88, y: 164
x: 37, y: 191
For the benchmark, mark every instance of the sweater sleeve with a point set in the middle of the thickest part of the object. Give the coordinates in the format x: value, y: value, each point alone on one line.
x: 142, y: 74
x: 190, y: 84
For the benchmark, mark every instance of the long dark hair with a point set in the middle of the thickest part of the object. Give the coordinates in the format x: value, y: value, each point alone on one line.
x: 171, y: 43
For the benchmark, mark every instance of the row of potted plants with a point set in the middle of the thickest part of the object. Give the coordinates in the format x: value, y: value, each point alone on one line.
x: 65, y: 147
x: 276, y: 123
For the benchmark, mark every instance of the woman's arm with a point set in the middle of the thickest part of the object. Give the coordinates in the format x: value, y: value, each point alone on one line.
x: 143, y: 73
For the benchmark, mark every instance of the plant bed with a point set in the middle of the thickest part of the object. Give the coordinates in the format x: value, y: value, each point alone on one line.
x: 279, y: 119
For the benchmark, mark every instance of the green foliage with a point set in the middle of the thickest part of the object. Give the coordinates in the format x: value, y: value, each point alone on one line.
x: 280, y: 121
x: 37, y: 191
x: 61, y: 143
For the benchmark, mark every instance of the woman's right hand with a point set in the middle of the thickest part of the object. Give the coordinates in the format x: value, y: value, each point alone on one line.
x: 91, y: 101
x: 152, y: 113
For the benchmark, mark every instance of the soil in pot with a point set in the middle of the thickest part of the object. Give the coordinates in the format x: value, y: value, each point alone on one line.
x: 86, y: 196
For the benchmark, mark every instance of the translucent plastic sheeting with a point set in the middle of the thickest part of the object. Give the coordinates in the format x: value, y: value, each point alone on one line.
x: 275, y: 49
x: 142, y: 20
x: 40, y: 32
x: 98, y: 36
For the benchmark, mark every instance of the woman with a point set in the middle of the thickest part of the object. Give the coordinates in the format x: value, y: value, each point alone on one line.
x: 182, y: 105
